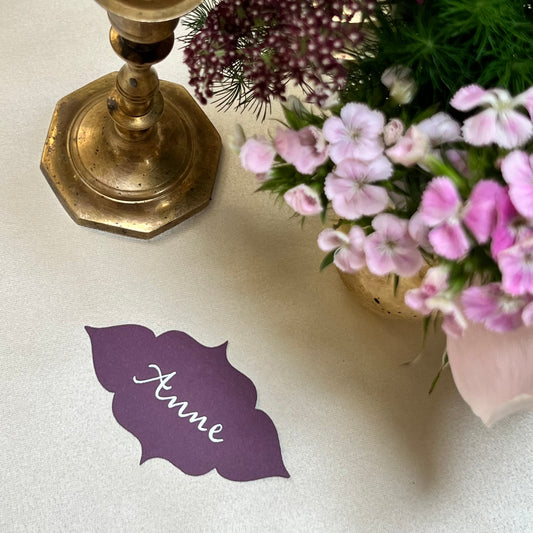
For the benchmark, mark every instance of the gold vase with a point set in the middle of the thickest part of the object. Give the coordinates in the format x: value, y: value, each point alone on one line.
x: 377, y: 293
x: 128, y: 153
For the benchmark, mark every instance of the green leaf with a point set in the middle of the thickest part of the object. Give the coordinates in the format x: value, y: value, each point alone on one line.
x: 327, y: 260
x: 445, y: 363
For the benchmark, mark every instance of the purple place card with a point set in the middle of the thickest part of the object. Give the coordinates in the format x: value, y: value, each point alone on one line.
x: 186, y: 403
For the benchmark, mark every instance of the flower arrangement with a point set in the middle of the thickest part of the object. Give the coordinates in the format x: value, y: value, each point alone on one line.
x: 421, y: 161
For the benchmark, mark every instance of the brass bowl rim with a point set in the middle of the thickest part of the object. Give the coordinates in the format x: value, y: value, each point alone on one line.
x: 149, y: 10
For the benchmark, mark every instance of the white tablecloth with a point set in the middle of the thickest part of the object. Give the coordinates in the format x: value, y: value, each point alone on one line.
x: 366, y: 447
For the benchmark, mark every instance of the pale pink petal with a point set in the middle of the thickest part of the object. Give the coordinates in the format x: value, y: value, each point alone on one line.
x: 358, y: 116
x: 481, y: 212
x: 516, y: 266
x: 408, y: 261
x: 449, y: 240
x: 330, y: 239
x: 493, y: 372
x: 378, y: 259
x: 440, y: 128
x: 480, y: 130
x: 526, y: 99
x: 516, y: 168
x: 334, y: 130
x: 351, y: 258
x: 257, y: 155
x: 393, y: 131
x: 439, y: 201
x: 418, y: 231
x: 471, y: 96
x: 410, y: 149
x: 479, y: 303
x: 304, y: 200
x: 391, y: 226
x: 370, y: 200
x: 416, y: 299
x: 452, y: 326
x: 512, y: 129
x: 527, y: 314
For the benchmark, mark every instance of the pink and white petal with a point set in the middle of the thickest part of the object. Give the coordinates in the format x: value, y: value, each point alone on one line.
x: 335, y: 186
x: 436, y: 280
x: 357, y: 238
x: 452, y: 326
x: 391, y: 226
x: 416, y: 299
x: 356, y: 116
x: 349, y: 260
x: 439, y: 201
x: 347, y: 205
x: 504, y: 322
x: 521, y: 195
x: 371, y: 199
x: 480, y: 130
x: 334, y: 130
x: 379, y: 169
x: 330, y: 239
x: 471, y: 96
x: 526, y: 99
x: 440, y: 128
x: 517, y: 277
x: 351, y: 169
x: 512, y: 129
x: 479, y: 303
x: 493, y: 372
x: 516, y: 168
x: 408, y: 262
x: 367, y: 148
x: 449, y: 240
x: 344, y: 149
x: 378, y: 261
x: 418, y: 231
x: 527, y: 314
x: 481, y: 213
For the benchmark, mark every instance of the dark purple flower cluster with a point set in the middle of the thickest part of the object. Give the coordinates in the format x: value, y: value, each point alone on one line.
x: 254, y: 48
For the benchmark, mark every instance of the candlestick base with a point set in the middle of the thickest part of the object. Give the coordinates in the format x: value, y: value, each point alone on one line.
x: 137, y: 187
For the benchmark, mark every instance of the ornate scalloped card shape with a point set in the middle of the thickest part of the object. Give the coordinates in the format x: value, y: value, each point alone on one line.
x: 186, y: 403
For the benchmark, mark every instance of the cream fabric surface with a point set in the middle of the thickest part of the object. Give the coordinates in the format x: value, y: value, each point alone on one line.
x: 367, y: 449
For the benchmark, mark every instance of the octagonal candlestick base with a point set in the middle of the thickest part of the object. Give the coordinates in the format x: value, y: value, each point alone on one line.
x: 127, y: 153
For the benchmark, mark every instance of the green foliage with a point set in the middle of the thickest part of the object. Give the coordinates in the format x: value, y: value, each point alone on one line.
x: 447, y: 44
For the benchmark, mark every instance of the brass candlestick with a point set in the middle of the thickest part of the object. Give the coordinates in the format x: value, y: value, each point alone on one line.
x: 128, y: 153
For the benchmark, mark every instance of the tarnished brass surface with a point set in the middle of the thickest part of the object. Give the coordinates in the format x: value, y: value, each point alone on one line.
x: 149, y: 10
x: 377, y: 293
x: 127, y: 153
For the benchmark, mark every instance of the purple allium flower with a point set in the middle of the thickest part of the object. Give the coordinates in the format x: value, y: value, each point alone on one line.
x: 263, y: 44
